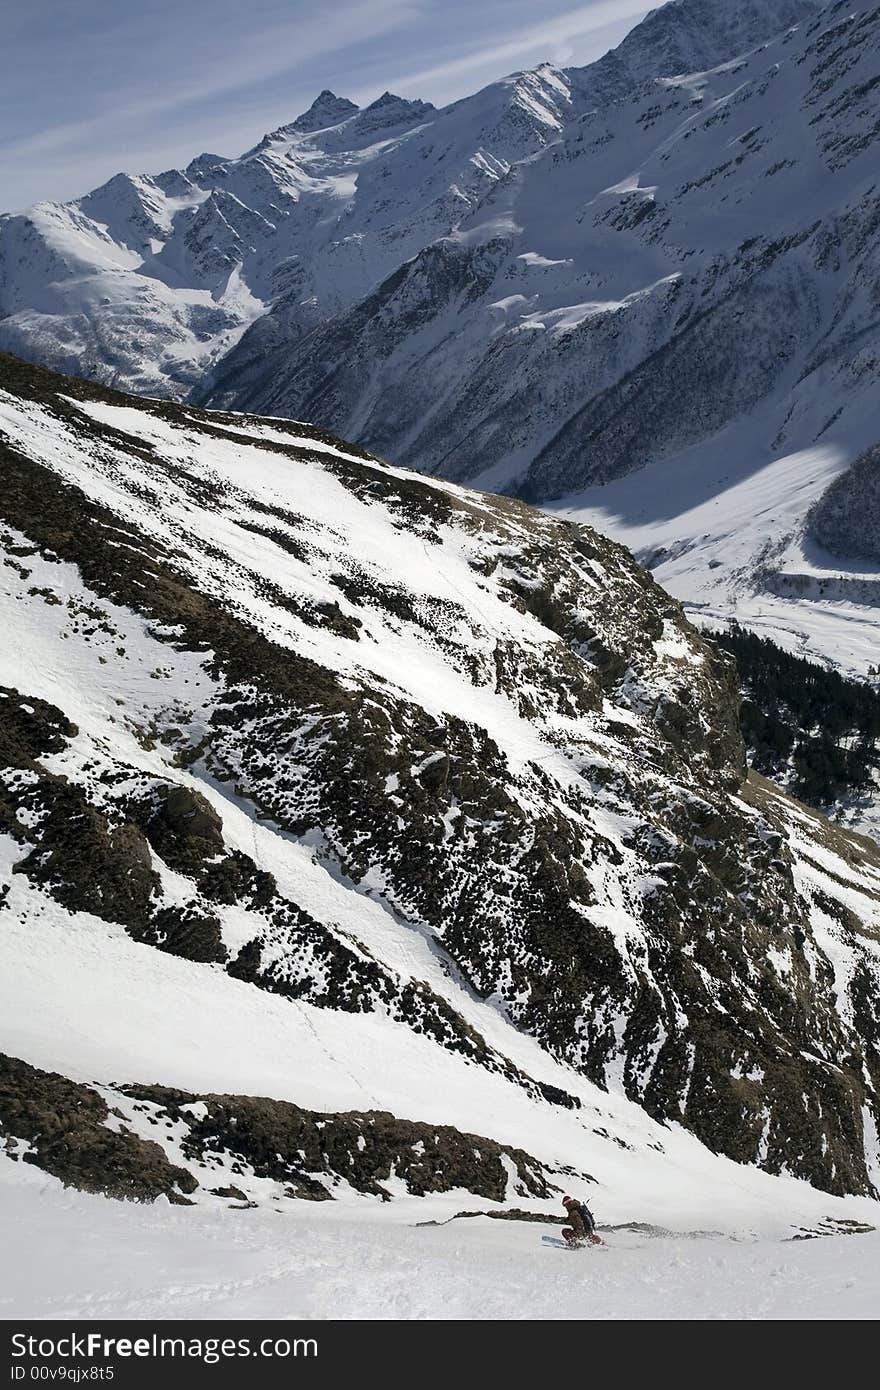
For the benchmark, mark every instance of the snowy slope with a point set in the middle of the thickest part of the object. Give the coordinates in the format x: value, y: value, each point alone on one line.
x: 413, y: 812
x: 733, y: 540
x: 341, y: 1263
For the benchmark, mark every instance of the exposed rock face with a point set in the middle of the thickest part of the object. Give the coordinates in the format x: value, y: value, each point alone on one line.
x: 326, y: 109
x: 67, y: 1130
x: 70, y: 1131
x: 184, y: 828
x: 486, y: 719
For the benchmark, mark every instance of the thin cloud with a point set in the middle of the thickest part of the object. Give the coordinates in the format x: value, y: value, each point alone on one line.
x: 149, y: 103
x: 255, y: 60
x: 550, y: 35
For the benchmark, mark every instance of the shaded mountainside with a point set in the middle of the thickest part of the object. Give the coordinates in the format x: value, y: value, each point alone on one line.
x: 846, y: 518
x: 807, y: 727
x: 389, y: 766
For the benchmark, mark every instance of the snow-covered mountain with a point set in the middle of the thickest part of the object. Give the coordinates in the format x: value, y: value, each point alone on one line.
x: 363, y: 834
x: 643, y: 292
x: 147, y: 281
x: 699, y: 251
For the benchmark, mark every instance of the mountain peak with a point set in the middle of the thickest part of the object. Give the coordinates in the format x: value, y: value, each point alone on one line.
x: 202, y: 165
x: 392, y: 110
x: 391, y: 103
x: 387, y: 99
x: 327, y: 109
x: 693, y: 35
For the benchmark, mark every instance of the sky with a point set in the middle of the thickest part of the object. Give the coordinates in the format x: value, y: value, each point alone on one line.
x: 89, y: 87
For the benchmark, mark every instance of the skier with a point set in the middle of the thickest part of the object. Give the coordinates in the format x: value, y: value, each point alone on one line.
x: 583, y: 1228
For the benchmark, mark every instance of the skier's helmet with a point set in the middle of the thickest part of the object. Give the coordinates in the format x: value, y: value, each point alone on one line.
x: 567, y: 1201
